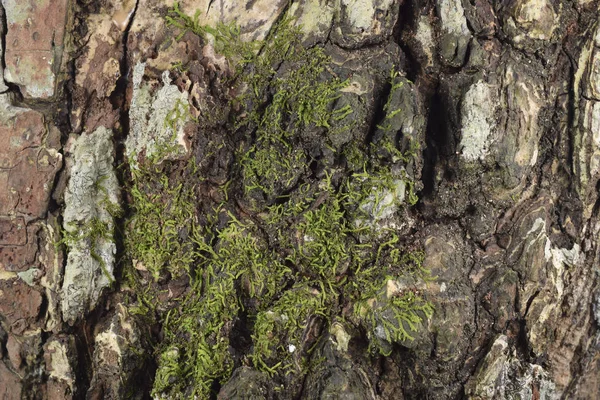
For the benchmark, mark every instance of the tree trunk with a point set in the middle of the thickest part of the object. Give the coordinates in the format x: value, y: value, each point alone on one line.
x: 365, y: 199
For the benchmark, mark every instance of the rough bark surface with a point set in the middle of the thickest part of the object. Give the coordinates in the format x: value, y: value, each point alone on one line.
x: 488, y: 112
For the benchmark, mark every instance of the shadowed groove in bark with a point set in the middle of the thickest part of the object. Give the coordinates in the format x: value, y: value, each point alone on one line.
x: 436, y: 142
x: 4, y: 28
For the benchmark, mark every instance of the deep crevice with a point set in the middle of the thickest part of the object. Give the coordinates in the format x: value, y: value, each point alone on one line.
x: 4, y: 29
x: 118, y: 99
x: 84, y: 370
x: 436, y: 138
x: 379, y: 113
x: 411, y: 66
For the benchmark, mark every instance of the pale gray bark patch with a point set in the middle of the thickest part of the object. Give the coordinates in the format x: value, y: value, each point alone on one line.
x: 91, y: 195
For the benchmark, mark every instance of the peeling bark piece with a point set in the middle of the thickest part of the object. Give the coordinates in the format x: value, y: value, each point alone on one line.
x: 517, y: 147
x: 90, y: 199
x: 531, y: 21
x: 60, y: 357
x: 554, y: 289
x: 12, y: 231
x: 482, y: 18
x: 502, y: 375
x: 118, y: 357
x: 499, y: 124
x: 153, y: 115
x: 23, y: 351
x: 19, y: 304
x: 51, y: 258
x: 10, y: 384
x: 27, y: 164
x: 315, y: 17
x: 20, y: 257
x: 254, y: 17
x: 97, y: 71
x: 586, y: 140
x: 527, y: 251
x: 32, y: 180
x: 122, y: 17
x: 13, y: 348
x: 148, y: 32
x: 34, y: 44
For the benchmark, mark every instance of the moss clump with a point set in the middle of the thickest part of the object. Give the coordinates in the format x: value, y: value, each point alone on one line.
x: 290, y: 260
x: 163, y: 222
x: 393, y: 320
x: 278, y: 331
x: 226, y: 37
x: 330, y: 263
x: 282, y: 105
x: 197, y: 333
x: 271, y: 167
x: 390, y: 309
x: 196, y: 343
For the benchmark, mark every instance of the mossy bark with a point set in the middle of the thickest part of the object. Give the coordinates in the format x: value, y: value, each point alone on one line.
x: 369, y: 199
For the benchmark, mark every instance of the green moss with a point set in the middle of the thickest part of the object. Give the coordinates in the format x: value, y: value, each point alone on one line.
x: 270, y: 167
x: 297, y: 257
x: 282, y: 104
x: 323, y: 241
x: 226, y: 37
x: 278, y: 332
x: 396, y: 84
x: 393, y: 320
x: 239, y: 266
x: 196, y: 341
x: 390, y: 317
x: 163, y: 220
x: 243, y: 256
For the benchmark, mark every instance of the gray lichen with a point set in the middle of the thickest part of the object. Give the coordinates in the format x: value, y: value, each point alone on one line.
x: 477, y: 122
x: 455, y: 32
x: 90, y: 201
x: 156, y: 119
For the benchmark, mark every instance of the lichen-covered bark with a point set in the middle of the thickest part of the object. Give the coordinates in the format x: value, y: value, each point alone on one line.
x: 462, y: 133
x: 88, y: 222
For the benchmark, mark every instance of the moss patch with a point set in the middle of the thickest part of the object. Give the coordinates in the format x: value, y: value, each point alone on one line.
x: 261, y: 277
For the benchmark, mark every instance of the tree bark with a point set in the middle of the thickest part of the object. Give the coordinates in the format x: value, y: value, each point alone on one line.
x: 466, y: 135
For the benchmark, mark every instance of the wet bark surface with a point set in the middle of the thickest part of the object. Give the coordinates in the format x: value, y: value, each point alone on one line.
x: 462, y: 136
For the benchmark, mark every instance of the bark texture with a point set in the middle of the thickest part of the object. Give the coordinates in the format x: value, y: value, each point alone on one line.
x: 488, y: 112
